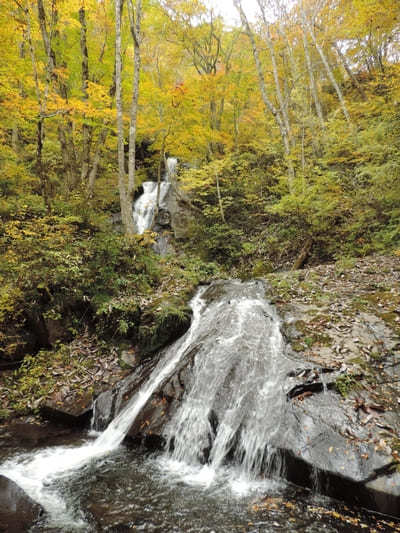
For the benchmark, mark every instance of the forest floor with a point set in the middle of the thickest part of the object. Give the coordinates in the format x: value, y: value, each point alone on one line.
x: 344, y: 319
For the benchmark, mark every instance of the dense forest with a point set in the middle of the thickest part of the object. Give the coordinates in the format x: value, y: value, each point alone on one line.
x: 287, y: 133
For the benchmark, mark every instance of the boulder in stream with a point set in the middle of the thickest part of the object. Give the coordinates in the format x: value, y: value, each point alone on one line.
x: 18, y: 512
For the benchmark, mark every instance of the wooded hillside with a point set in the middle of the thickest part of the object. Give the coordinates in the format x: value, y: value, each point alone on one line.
x: 287, y: 130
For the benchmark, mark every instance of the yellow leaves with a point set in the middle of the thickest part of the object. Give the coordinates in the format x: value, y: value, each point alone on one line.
x: 267, y: 504
x: 147, y: 238
x: 98, y: 94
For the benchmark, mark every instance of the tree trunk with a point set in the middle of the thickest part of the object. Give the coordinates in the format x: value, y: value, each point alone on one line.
x: 41, y: 98
x: 126, y: 207
x: 279, y: 96
x: 135, y: 24
x: 328, y: 69
x: 313, y: 85
x: 157, y: 207
x: 66, y: 158
x: 303, y: 256
x: 39, y: 165
x: 86, y: 129
x: 101, y: 139
x: 347, y: 68
x: 66, y: 135
x: 221, y: 209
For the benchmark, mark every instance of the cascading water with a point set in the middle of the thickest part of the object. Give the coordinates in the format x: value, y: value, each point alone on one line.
x: 145, y: 205
x: 36, y: 472
x: 119, y: 427
x: 232, y: 408
x: 234, y: 404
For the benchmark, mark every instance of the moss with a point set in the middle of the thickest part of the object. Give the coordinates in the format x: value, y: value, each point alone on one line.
x: 310, y: 337
x: 344, y: 264
x: 297, y: 346
x: 301, y: 326
x: 345, y: 384
x: 118, y: 318
x: 261, y: 268
x: 359, y: 361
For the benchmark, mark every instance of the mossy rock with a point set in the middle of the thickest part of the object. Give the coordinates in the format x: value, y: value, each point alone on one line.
x: 167, y: 324
x: 261, y: 268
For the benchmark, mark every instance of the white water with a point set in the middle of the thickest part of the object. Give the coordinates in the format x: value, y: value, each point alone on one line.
x: 35, y: 472
x: 145, y: 205
x: 237, y: 380
x: 119, y: 427
x: 238, y: 365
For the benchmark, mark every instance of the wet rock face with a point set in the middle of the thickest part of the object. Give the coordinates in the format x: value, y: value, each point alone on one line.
x: 18, y: 512
x: 30, y: 435
x: 340, y: 422
x: 76, y: 414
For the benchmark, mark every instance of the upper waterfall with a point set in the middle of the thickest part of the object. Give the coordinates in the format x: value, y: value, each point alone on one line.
x: 145, y: 206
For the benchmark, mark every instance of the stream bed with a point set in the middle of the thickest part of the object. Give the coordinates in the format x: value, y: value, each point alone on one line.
x: 131, y: 489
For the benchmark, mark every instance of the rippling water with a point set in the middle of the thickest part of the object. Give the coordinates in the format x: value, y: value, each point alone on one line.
x: 131, y: 490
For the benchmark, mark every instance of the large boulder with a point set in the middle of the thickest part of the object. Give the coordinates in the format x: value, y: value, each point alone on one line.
x: 18, y: 512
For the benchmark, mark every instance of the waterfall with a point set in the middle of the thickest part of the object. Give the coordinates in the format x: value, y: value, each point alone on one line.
x: 145, y: 205
x: 232, y: 407
x: 235, y: 404
x: 35, y: 472
x: 119, y: 427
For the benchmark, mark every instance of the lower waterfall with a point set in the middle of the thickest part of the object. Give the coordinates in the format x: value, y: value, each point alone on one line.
x: 234, y: 405
x: 232, y: 408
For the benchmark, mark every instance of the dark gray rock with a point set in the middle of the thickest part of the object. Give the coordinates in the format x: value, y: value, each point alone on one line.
x: 180, y: 211
x: 22, y: 433
x: 75, y: 414
x: 18, y: 512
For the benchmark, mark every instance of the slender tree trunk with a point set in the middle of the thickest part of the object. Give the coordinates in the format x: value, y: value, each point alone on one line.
x: 66, y: 136
x: 135, y: 17
x: 39, y: 164
x: 41, y: 98
x: 157, y: 207
x: 15, y: 129
x: 221, y: 209
x: 347, y: 68
x: 160, y: 160
x: 278, y: 90
x: 328, y: 69
x: 126, y: 207
x: 101, y: 139
x: 313, y: 85
x: 86, y: 129
x: 66, y: 158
